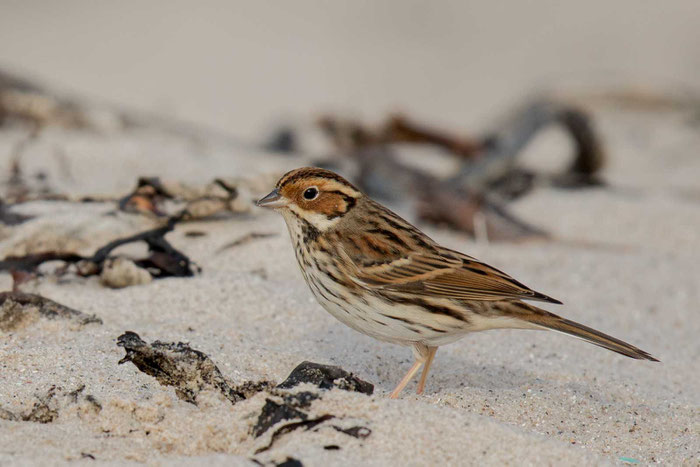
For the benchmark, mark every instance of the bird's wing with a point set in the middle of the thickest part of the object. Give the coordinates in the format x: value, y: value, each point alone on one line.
x: 442, y: 273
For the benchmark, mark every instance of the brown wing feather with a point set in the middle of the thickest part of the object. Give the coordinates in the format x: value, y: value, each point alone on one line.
x: 399, y: 257
x: 449, y: 277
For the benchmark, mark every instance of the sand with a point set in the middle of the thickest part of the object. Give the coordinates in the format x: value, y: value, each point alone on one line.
x: 625, y: 260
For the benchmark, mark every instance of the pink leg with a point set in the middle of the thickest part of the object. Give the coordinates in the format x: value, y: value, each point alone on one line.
x: 421, y: 353
x: 426, y: 369
x: 409, y: 376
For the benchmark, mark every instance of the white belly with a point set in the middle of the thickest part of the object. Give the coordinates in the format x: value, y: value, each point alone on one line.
x: 373, y: 316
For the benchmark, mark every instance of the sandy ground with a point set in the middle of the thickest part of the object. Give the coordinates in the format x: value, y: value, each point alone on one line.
x: 625, y: 260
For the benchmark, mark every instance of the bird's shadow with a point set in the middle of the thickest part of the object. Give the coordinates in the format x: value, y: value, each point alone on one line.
x: 384, y: 364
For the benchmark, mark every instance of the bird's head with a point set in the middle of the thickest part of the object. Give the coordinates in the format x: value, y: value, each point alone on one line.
x: 317, y: 196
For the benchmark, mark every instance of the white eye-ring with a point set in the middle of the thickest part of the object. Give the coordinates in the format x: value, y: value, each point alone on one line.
x: 310, y: 193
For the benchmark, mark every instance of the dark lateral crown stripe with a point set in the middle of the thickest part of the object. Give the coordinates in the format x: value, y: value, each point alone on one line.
x: 308, y: 172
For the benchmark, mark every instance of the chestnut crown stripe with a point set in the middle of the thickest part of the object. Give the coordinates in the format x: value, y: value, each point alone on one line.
x: 313, y: 172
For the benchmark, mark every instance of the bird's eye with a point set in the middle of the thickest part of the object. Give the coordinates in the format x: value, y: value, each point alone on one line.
x: 311, y: 193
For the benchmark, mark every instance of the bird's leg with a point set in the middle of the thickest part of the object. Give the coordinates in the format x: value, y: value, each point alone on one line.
x: 409, y: 376
x: 426, y: 369
x: 421, y: 354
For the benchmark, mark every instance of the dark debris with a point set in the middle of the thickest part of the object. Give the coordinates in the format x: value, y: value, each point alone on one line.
x: 307, y: 424
x: 360, y: 432
x: 30, y: 262
x: 163, y: 260
x: 274, y: 412
x: 150, y: 196
x: 147, y: 197
x: 178, y: 365
x: 326, y: 377
x: 290, y: 462
x: 190, y: 371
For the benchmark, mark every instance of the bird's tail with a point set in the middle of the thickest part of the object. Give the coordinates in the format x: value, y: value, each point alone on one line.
x: 544, y: 319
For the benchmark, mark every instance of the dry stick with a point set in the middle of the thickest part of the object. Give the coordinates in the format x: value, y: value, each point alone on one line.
x: 503, y: 147
x: 400, y: 129
x: 483, y: 182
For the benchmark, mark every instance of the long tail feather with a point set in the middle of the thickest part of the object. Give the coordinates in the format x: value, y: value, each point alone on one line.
x: 598, y: 338
x: 544, y: 319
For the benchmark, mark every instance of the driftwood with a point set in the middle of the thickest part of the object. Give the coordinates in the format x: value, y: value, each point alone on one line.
x: 473, y: 198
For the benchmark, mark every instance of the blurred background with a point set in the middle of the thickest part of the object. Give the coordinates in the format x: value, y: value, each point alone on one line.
x: 113, y: 149
x: 241, y: 66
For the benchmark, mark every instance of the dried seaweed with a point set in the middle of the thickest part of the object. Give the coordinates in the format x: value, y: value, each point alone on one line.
x: 291, y: 405
x: 289, y: 427
x: 190, y: 371
x: 360, y: 432
x: 190, y: 203
x: 273, y: 412
x: 147, y: 197
x: 326, y: 377
x: 30, y: 262
x: 163, y: 260
x: 178, y: 365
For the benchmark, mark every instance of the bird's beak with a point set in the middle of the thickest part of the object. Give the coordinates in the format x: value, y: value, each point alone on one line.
x: 273, y: 200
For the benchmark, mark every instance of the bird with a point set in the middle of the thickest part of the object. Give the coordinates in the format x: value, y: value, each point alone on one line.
x: 383, y: 277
